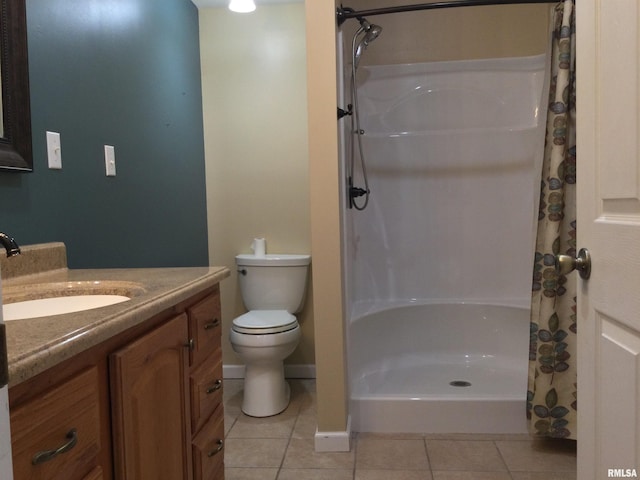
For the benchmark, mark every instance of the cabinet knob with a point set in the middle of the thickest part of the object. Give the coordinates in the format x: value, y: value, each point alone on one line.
x: 220, y: 446
x: 213, y: 324
x: 216, y: 386
x: 46, y: 455
x: 191, y: 344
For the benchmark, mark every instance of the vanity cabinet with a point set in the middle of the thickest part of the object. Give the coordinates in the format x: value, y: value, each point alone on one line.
x: 150, y: 411
x: 146, y: 404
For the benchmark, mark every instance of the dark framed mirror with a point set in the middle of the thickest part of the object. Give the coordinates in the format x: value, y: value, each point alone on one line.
x: 15, y: 127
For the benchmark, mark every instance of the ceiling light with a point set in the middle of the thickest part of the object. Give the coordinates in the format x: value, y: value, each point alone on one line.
x: 242, y: 6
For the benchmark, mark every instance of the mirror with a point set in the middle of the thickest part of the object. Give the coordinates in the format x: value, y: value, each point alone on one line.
x: 15, y: 126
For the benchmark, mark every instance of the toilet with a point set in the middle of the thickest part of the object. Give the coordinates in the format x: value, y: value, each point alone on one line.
x: 273, y: 289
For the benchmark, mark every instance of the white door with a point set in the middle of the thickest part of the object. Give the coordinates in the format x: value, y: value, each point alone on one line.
x: 608, y: 129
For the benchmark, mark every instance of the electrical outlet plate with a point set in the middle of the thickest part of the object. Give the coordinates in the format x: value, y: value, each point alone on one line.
x: 54, y: 153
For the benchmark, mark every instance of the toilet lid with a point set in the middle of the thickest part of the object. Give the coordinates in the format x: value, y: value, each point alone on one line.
x: 261, y: 322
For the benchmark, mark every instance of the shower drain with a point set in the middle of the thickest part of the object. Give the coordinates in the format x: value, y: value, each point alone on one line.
x: 460, y: 383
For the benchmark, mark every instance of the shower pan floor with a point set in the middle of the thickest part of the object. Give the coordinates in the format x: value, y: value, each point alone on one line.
x: 417, y: 397
x: 489, y: 377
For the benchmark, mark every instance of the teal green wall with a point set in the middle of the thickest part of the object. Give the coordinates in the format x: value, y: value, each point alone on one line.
x: 124, y: 73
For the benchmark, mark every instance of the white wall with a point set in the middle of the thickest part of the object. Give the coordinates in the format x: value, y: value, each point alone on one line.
x: 452, y: 151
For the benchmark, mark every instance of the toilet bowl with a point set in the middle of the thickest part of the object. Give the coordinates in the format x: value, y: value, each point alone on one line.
x: 272, y: 287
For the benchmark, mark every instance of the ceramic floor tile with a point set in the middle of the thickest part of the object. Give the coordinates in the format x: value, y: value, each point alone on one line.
x: 364, y: 474
x: 450, y: 475
x: 544, y: 475
x: 539, y: 455
x: 277, y: 426
x: 304, y: 402
x: 250, y: 452
x: 469, y: 455
x: 391, y: 453
x: 305, y: 427
x: 282, y: 448
x: 229, y: 421
x: 398, y: 435
x: 301, y: 454
x: 250, y: 473
x: 477, y: 436
x: 315, y: 474
x: 232, y: 396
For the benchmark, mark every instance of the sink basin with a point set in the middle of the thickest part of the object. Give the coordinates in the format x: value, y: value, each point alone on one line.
x: 46, y: 299
x: 45, y: 307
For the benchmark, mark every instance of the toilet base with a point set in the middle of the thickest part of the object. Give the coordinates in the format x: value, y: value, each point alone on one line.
x: 266, y: 392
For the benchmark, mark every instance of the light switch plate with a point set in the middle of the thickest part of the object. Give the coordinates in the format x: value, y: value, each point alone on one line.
x: 54, y: 153
x: 110, y: 160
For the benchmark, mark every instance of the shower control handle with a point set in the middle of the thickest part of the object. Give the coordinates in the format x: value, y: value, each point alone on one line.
x: 566, y: 264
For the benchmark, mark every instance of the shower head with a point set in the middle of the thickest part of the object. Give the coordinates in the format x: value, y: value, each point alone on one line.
x: 371, y: 32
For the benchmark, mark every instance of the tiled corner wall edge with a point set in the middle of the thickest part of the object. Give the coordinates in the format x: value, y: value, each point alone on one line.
x: 290, y: 371
x: 334, y: 441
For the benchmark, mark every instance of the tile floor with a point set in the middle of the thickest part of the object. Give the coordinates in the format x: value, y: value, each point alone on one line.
x: 281, y: 448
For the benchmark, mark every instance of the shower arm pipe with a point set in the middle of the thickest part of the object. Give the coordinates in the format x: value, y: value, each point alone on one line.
x: 345, y: 13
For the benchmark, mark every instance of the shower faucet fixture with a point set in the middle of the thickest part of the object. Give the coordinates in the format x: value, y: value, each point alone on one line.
x: 343, y: 113
x: 355, y: 192
x: 9, y: 245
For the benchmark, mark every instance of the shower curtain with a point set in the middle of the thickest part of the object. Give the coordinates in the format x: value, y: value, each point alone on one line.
x: 552, y: 394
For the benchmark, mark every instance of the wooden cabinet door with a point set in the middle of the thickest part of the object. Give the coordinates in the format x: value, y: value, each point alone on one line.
x: 151, y: 426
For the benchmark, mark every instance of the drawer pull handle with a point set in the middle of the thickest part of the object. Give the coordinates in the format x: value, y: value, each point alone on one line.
x: 220, y: 446
x: 216, y: 386
x: 47, y: 455
x: 210, y: 325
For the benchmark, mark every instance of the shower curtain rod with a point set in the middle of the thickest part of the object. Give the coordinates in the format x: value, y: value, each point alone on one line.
x: 345, y: 13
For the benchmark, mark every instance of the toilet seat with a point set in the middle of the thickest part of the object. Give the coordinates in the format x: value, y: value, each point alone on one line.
x: 263, y: 322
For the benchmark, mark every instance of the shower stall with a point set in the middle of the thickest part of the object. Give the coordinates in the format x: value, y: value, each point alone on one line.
x: 438, y: 262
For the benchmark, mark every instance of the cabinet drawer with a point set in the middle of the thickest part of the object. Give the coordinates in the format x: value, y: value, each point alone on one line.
x: 206, y: 390
x: 95, y: 474
x: 204, y: 328
x: 208, y: 450
x: 46, y: 423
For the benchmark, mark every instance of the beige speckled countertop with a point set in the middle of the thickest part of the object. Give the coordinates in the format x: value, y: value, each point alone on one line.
x: 37, y: 344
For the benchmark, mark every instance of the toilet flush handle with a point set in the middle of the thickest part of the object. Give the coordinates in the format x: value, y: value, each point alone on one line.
x: 242, y: 271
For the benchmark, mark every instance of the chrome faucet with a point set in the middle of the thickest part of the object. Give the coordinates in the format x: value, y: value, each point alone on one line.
x: 9, y: 245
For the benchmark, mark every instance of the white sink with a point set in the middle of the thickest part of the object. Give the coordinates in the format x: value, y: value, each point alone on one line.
x: 44, y: 307
x: 46, y: 299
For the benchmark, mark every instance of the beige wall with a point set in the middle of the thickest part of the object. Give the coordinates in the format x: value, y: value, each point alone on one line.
x: 255, y: 121
x: 331, y: 382
x: 452, y: 33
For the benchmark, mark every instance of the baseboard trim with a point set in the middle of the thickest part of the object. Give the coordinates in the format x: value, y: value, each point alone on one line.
x: 233, y: 371
x: 290, y: 371
x: 334, y: 441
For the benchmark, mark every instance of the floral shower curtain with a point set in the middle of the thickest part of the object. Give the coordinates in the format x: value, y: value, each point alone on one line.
x: 552, y: 395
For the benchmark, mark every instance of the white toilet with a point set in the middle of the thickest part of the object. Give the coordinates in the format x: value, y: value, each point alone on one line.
x: 273, y: 288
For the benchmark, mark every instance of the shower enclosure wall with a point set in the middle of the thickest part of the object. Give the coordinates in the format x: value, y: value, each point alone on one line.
x: 438, y: 266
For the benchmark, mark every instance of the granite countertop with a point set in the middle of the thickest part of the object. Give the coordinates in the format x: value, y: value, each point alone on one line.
x: 37, y: 344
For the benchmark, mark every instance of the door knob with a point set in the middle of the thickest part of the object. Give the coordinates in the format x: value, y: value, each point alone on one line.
x: 566, y: 264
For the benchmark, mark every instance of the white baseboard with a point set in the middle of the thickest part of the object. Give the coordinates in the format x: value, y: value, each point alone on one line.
x: 334, y: 441
x: 290, y: 371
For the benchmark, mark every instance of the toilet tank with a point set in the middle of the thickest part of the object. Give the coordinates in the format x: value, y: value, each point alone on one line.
x: 273, y: 282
